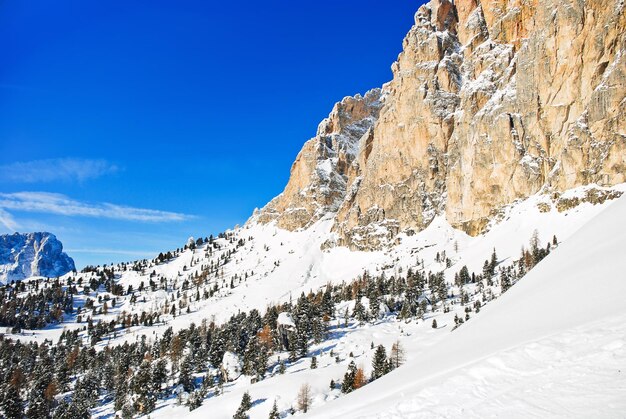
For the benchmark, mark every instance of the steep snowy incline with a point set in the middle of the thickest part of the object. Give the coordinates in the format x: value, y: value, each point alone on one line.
x: 554, y: 345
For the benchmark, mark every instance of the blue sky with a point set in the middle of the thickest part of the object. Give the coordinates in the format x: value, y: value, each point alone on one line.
x: 126, y: 127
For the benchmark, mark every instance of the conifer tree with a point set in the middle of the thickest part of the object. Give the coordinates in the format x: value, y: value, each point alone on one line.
x: 375, y: 305
x: 12, y: 405
x: 185, y: 377
x: 494, y: 262
x: 274, y: 412
x: 359, y: 311
x: 379, y: 363
x: 143, y: 388
x: 347, y: 385
x: 246, y: 404
x: 159, y: 375
x: 121, y: 391
x: 71, y: 410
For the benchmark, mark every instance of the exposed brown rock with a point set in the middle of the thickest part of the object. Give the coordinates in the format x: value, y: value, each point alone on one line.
x: 317, y: 184
x: 491, y: 101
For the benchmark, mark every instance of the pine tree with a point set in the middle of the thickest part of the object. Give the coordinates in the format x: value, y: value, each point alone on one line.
x: 159, y: 375
x: 375, y: 305
x: 494, y: 262
x: 143, y: 388
x: 71, y: 410
x: 128, y: 411
x: 359, y: 311
x: 249, y: 356
x: 379, y: 363
x: 313, y: 363
x: 185, y: 377
x: 12, y: 404
x: 274, y: 412
x: 246, y: 404
x: 347, y: 385
x: 38, y: 406
x: 505, y: 280
x: 195, y: 399
x: 464, y: 276
x: 486, y: 270
x: 328, y: 305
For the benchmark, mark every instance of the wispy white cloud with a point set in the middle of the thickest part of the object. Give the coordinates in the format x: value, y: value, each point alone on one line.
x: 140, y: 253
x: 8, y: 221
x: 50, y: 170
x: 53, y: 203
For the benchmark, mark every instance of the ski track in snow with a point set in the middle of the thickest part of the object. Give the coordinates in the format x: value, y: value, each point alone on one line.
x: 578, y: 373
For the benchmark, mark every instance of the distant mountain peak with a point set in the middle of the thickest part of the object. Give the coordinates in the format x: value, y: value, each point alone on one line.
x: 23, y: 255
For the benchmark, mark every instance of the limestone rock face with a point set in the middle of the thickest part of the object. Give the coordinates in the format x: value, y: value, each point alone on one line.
x: 317, y: 184
x: 490, y: 101
x: 551, y: 76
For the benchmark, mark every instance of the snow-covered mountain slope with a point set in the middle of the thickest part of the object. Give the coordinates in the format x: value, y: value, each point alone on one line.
x: 533, y: 347
x: 32, y: 254
x: 553, y: 346
x: 268, y: 265
x: 547, y: 328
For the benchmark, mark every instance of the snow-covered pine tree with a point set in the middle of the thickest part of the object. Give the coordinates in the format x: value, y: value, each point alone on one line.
x: 11, y: 402
x: 274, y: 412
x: 347, y: 385
x: 379, y: 363
x: 246, y: 404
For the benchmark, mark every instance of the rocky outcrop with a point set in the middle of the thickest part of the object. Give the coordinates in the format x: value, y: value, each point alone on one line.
x: 32, y: 254
x: 543, y: 87
x: 490, y: 101
x: 318, y: 181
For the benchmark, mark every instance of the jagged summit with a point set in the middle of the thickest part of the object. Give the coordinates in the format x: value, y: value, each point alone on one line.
x: 491, y: 101
x: 23, y: 255
x: 319, y: 176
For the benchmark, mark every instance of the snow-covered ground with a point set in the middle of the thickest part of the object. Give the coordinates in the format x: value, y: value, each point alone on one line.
x: 283, y: 264
x: 547, y: 347
x: 552, y: 346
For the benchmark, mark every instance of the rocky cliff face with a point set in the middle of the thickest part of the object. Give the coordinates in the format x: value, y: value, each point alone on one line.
x: 318, y: 182
x: 490, y: 101
x: 32, y: 254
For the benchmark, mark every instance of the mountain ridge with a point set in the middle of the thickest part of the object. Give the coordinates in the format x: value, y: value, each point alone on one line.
x: 485, y: 107
x: 23, y: 255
